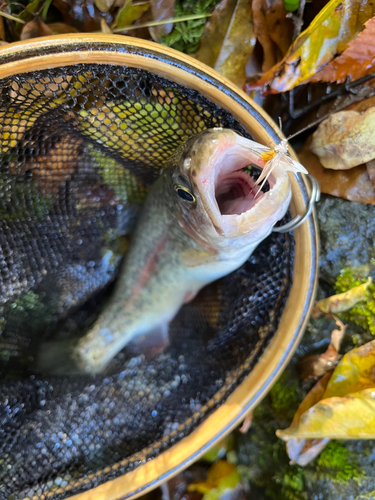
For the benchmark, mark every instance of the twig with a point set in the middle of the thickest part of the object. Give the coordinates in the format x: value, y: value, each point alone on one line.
x: 12, y: 18
x: 163, y: 21
x: 345, y: 87
x: 298, y: 19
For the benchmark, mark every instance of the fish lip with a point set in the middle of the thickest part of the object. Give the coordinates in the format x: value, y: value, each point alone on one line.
x: 240, y: 153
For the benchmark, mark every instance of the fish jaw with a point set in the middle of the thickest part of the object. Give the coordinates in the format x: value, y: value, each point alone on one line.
x: 240, y: 213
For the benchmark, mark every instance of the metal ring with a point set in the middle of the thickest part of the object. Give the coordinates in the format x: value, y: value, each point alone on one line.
x: 299, y: 219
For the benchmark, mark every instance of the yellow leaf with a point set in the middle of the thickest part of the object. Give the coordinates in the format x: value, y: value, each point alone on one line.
x: 349, y: 417
x: 227, y: 47
x: 328, y: 35
x: 355, y: 371
x: 347, y: 406
x: 345, y: 139
x: 344, y: 301
x: 222, y: 475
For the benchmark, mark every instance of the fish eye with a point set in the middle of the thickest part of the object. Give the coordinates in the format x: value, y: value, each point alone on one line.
x: 185, y: 194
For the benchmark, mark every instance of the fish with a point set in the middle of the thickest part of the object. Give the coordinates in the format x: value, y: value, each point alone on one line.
x: 201, y: 220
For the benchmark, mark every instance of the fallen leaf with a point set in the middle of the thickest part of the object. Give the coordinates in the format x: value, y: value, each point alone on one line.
x: 355, y: 372
x: 104, y: 5
x: 317, y: 365
x: 344, y: 301
x: 273, y: 30
x: 81, y: 14
x: 228, y: 51
x: 302, y: 451
x: 34, y: 29
x: 345, y: 139
x: 328, y: 35
x: 346, y: 409
x: 357, y: 60
x: 221, y: 476
x: 61, y: 28
x: 353, y: 185
x: 2, y: 29
x: 370, y: 165
x: 105, y: 28
x: 215, y: 32
x: 161, y: 9
x: 129, y: 13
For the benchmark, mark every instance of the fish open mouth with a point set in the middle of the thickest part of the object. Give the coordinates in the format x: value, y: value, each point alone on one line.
x: 236, y: 192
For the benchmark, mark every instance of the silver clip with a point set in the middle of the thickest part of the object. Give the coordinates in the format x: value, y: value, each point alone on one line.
x: 299, y: 219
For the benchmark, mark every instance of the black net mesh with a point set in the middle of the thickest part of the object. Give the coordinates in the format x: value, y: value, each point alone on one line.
x: 79, y: 148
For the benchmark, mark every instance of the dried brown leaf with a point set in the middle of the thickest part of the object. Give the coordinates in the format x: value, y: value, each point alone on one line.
x: 328, y: 35
x: 161, y: 9
x: 104, y: 5
x: 317, y: 365
x: 35, y: 29
x: 81, y: 14
x: 61, y: 28
x: 354, y: 184
x: 345, y: 139
x: 357, y: 60
x: 228, y: 52
x: 274, y: 31
x: 215, y: 32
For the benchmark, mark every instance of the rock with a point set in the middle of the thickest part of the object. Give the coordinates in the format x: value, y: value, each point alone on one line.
x: 345, y: 470
x: 347, y: 235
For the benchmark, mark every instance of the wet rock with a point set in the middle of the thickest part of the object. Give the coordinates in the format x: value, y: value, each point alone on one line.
x: 347, y: 235
x: 345, y: 470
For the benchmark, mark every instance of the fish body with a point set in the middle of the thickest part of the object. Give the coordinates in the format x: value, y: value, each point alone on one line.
x: 201, y: 220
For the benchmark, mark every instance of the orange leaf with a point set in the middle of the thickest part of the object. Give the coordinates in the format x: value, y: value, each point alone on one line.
x: 356, y: 61
x: 328, y: 35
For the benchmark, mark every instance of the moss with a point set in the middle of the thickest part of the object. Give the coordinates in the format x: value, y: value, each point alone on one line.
x: 291, y: 484
x: 284, y: 396
x: 366, y: 496
x: 336, y: 463
x: 363, y: 313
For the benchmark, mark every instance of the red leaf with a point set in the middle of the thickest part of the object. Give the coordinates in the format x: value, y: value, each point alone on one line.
x: 356, y: 61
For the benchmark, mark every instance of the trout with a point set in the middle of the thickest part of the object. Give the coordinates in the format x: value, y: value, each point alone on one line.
x: 201, y: 220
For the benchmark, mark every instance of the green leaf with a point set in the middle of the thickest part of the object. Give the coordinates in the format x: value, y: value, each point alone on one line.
x: 129, y: 13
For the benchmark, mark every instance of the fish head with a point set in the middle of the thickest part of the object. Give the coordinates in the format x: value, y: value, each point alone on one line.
x: 214, y: 178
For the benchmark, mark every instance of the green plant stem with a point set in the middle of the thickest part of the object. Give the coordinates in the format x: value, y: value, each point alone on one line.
x: 12, y: 18
x: 45, y: 9
x: 164, y: 21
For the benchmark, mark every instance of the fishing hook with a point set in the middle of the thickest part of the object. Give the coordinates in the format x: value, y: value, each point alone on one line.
x: 299, y: 219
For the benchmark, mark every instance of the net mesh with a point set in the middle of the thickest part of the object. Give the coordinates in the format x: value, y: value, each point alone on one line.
x: 80, y: 147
